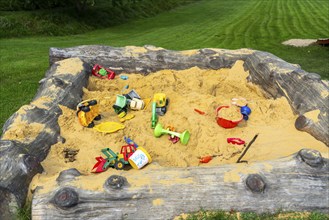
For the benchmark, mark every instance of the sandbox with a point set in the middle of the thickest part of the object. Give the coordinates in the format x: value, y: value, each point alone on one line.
x: 175, y: 181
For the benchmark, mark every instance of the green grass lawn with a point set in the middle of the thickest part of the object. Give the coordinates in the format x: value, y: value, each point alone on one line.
x: 255, y: 24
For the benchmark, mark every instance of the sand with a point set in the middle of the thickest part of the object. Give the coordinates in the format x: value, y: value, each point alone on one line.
x: 187, y: 90
x: 299, y: 42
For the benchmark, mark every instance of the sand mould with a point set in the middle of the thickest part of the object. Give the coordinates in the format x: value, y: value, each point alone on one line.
x: 187, y: 90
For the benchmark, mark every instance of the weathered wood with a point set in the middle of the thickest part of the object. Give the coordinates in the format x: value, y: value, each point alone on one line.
x: 149, y: 59
x: 291, y: 184
x: 20, y: 159
x: 305, y: 91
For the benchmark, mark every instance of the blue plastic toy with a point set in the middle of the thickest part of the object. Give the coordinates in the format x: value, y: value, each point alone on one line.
x: 129, y: 141
x: 245, y: 111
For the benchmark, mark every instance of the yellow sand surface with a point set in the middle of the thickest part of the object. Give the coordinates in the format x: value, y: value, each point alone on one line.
x: 187, y: 90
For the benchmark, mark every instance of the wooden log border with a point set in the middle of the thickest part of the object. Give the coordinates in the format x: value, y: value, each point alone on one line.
x: 20, y: 161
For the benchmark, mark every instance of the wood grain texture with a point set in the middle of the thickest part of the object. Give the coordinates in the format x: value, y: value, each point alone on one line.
x: 283, y: 186
x: 291, y: 184
x: 20, y: 159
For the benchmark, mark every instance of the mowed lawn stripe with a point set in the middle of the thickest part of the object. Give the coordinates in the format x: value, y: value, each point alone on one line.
x: 233, y: 31
x: 282, y: 21
x: 256, y: 24
x: 303, y: 23
x: 250, y: 25
x: 318, y: 14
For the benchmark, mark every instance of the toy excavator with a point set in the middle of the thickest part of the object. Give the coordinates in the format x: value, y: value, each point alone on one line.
x: 114, y: 160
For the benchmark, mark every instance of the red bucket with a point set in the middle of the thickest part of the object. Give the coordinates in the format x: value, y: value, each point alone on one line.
x: 225, y: 123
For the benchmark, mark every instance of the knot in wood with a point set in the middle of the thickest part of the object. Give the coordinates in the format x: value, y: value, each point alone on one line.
x: 302, y: 123
x: 255, y: 183
x: 66, y: 198
x: 68, y: 175
x: 311, y: 157
x: 216, y: 63
x: 115, y: 182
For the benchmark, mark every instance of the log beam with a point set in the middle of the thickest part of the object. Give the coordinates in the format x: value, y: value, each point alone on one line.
x: 285, y: 186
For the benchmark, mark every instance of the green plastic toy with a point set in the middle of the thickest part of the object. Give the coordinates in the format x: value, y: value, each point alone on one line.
x: 184, y: 137
x: 154, y: 118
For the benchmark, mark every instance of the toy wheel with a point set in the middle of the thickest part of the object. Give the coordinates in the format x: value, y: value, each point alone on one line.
x: 98, y: 117
x: 80, y: 106
x: 164, y: 110
x: 91, y: 125
x: 92, y: 102
x: 85, y: 109
x: 119, y: 165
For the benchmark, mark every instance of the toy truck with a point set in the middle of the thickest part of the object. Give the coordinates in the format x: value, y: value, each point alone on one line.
x: 114, y: 160
x: 103, y: 73
x: 161, y: 103
x: 87, y: 112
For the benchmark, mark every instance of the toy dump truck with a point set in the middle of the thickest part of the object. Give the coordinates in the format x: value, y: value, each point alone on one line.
x: 120, y: 107
x: 87, y: 112
x: 114, y: 160
x: 103, y: 73
x: 131, y: 99
x: 161, y: 103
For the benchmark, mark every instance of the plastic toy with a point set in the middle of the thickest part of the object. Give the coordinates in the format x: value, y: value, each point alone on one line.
x: 126, y: 117
x: 226, y: 123
x: 199, y: 111
x: 130, y: 141
x: 123, y: 77
x: 114, y: 160
x: 120, y: 106
x: 136, y: 104
x: 184, y: 137
x: 109, y: 127
x: 208, y: 158
x: 146, y: 102
x: 161, y: 103
x: 131, y: 95
x: 245, y: 111
x: 172, y: 138
x: 154, y: 118
x: 140, y: 158
x: 237, y: 141
x: 87, y: 112
x: 102, y: 72
x: 124, y: 88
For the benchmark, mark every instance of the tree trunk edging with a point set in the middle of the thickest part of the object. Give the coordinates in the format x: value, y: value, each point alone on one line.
x: 20, y: 159
x: 142, y: 60
x: 304, y: 91
x: 149, y: 59
x: 284, y: 187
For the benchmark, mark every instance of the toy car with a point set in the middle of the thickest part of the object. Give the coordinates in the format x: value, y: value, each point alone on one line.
x: 102, y: 72
x: 87, y: 112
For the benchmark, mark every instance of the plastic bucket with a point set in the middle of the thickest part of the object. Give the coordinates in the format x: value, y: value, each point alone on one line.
x: 225, y: 123
x: 140, y: 158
